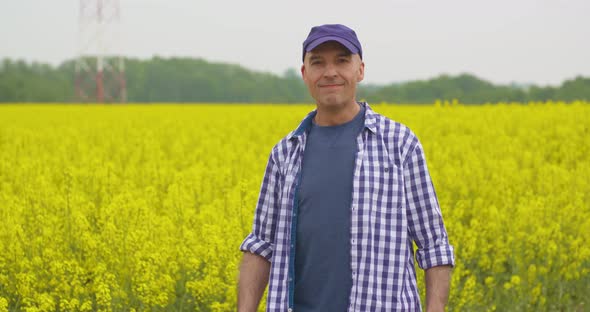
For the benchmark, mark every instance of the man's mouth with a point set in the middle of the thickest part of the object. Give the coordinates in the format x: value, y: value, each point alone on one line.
x: 331, y: 85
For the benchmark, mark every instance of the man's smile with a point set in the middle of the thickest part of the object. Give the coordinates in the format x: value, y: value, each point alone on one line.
x: 331, y: 85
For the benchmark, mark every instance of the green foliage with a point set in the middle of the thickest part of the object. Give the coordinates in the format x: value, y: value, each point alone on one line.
x: 33, y: 82
x: 196, y: 80
x: 465, y: 88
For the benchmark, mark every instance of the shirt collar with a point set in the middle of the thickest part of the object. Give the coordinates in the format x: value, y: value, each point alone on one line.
x: 370, y: 122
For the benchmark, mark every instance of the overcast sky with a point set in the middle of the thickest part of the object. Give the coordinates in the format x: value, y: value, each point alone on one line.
x: 525, y: 41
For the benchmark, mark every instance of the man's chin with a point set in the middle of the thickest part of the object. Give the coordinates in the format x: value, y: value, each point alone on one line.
x: 331, y: 102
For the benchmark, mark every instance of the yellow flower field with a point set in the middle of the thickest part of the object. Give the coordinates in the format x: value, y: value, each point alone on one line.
x: 143, y: 207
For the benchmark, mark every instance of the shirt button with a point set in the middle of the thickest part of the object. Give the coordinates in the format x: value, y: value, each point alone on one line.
x: 354, y: 241
x: 353, y: 207
x: 386, y: 169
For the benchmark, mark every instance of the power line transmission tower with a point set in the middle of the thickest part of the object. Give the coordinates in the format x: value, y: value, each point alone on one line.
x: 100, y: 69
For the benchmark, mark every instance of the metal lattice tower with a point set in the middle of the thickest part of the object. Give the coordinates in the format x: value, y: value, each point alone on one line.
x: 100, y: 69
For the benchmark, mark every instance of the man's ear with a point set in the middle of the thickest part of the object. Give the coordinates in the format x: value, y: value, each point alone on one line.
x: 361, y: 72
x: 303, y: 71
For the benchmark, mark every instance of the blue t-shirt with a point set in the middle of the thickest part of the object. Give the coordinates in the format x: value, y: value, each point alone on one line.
x: 322, y: 256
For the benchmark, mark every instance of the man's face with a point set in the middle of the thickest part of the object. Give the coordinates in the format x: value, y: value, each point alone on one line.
x: 331, y: 74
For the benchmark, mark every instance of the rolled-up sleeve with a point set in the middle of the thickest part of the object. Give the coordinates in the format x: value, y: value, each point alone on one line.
x: 424, y: 215
x: 261, y: 240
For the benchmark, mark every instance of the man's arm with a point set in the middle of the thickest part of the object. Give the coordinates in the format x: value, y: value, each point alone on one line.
x: 258, y: 245
x: 435, y: 255
x: 438, y: 280
x: 254, y: 273
x: 425, y: 222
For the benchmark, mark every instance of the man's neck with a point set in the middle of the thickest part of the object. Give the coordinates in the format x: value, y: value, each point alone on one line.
x: 326, y: 117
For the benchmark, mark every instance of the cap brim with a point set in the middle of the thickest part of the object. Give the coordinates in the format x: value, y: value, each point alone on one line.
x: 347, y: 44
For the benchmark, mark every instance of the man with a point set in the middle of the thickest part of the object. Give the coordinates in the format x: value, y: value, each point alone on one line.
x: 343, y: 198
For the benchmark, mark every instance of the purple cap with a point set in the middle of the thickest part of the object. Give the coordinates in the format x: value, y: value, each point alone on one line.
x: 332, y: 32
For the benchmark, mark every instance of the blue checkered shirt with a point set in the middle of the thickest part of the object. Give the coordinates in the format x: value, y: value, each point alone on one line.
x: 393, y: 204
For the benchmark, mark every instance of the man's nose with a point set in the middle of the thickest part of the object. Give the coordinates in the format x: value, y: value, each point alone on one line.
x: 330, y: 71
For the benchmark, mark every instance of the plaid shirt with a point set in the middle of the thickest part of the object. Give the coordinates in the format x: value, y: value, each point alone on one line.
x: 393, y: 205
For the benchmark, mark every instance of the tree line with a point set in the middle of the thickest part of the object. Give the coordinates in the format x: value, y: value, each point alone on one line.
x: 197, y: 80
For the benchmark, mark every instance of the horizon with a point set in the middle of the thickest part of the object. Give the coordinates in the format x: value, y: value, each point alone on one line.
x: 517, y: 84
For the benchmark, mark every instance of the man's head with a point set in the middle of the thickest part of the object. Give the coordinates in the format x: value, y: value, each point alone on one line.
x: 332, y: 65
x: 332, y: 32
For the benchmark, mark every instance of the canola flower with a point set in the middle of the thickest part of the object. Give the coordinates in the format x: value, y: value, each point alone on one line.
x: 143, y: 207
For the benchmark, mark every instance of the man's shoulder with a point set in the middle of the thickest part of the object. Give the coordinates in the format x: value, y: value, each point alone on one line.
x: 284, y: 147
x: 393, y: 133
x: 397, y: 136
x: 391, y: 129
